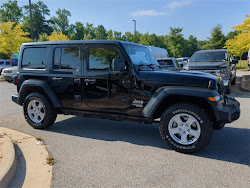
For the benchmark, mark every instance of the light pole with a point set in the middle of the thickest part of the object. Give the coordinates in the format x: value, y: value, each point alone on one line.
x: 134, y: 29
x: 31, y: 23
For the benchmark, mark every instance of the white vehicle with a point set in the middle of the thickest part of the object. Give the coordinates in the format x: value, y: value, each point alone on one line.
x: 8, y: 73
x: 158, y: 53
x: 183, y: 61
x: 248, y: 59
x: 4, y: 64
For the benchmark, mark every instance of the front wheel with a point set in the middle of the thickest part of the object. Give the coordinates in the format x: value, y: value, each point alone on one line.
x: 186, y: 128
x: 38, y: 111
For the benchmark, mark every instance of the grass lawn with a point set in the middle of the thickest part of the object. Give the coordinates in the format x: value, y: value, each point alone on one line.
x: 242, y: 64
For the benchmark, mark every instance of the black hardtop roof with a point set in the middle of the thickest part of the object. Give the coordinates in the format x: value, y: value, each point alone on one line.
x: 215, y: 50
x: 79, y: 42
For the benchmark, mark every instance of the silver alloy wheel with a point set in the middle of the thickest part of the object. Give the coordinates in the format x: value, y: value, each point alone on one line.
x: 184, y: 128
x: 36, y: 110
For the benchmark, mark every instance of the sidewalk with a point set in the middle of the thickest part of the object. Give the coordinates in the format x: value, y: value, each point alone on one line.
x: 32, y: 170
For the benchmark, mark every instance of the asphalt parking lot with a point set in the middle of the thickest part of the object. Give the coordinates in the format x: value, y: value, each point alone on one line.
x: 102, y: 153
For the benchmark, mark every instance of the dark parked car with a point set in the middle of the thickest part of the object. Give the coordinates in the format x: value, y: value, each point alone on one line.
x: 168, y: 62
x: 120, y: 81
x: 219, y: 62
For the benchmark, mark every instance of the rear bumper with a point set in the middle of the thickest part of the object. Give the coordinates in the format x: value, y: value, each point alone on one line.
x: 228, y: 112
x: 15, y: 98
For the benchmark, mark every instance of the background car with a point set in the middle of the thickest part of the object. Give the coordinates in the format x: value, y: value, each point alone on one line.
x: 4, y: 63
x: 219, y: 62
x: 8, y: 73
x: 183, y: 61
x: 169, y: 62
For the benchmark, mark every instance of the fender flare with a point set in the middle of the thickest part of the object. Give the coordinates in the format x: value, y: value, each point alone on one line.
x: 164, y: 92
x: 44, y: 86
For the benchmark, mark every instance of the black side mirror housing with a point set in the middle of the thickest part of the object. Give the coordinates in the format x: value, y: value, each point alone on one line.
x: 118, y: 65
x: 235, y: 61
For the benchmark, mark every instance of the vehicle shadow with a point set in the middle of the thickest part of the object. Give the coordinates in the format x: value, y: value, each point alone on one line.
x: 229, y: 144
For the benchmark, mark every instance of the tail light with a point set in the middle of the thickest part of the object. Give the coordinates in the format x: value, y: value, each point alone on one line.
x: 15, y: 80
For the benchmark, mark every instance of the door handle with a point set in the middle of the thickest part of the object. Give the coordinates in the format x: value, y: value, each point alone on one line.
x: 90, y: 81
x: 56, y: 78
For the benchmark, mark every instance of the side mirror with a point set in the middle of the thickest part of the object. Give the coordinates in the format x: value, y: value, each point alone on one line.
x: 181, y: 65
x: 118, y: 65
x: 235, y: 61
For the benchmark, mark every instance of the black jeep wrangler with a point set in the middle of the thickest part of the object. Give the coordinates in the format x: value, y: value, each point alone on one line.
x: 120, y: 81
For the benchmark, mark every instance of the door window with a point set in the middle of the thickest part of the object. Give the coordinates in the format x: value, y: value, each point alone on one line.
x: 66, y: 58
x: 101, y: 58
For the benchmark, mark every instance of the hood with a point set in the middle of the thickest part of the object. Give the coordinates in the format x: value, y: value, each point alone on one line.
x: 207, y: 65
x: 180, y: 78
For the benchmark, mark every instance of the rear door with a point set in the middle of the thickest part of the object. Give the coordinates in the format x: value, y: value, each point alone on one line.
x: 65, y: 73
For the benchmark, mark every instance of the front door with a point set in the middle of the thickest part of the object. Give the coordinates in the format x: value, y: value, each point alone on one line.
x: 104, y: 89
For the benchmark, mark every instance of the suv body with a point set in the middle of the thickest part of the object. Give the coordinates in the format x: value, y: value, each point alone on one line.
x: 4, y: 64
x: 120, y: 81
x: 168, y: 62
x: 219, y: 62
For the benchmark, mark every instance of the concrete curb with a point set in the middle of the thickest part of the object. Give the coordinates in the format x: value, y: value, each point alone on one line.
x: 244, y: 81
x: 8, y: 164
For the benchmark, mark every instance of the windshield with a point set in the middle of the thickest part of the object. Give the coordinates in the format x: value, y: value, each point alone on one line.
x: 140, y: 55
x: 209, y: 56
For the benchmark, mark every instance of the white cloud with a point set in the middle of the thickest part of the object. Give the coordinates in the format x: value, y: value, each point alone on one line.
x: 177, y: 3
x: 147, y: 13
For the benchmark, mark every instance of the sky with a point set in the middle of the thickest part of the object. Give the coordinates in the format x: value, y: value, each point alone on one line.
x: 196, y: 17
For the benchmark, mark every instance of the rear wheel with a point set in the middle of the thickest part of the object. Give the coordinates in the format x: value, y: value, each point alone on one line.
x: 38, y: 111
x: 186, y: 128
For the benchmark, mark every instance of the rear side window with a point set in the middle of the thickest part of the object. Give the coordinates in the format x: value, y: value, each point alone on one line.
x: 34, y: 58
x: 7, y: 63
x: 1, y: 62
x: 66, y: 58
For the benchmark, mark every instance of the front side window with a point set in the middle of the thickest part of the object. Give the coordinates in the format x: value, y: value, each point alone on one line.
x: 66, y: 58
x: 34, y: 58
x: 101, y: 58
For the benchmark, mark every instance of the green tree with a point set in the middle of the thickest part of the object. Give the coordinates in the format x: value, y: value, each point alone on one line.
x: 149, y: 40
x: 11, y: 12
x: 217, y: 39
x: 117, y: 35
x: 232, y: 34
x: 128, y: 36
x: 175, y: 42
x: 40, y: 24
x: 61, y: 21
x: 191, y: 46
x: 110, y: 35
x: 89, y: 32
x: 100, y: 33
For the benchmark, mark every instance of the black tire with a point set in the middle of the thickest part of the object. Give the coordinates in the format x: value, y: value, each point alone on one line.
x: 198, y: 114
x: 50, y: 113
x: 229, y: 88
x: 234, y: 81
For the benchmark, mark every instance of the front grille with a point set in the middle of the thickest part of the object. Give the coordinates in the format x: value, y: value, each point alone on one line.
x: 7, y: 71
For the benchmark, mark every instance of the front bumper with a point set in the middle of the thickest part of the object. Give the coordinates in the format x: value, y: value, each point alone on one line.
x: 15, y: 98
x: 227, y: 112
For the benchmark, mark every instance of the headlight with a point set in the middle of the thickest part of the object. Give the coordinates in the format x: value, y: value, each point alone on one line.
x: 223, y: 72
x: 225, y: 82
x: 216, y: 98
